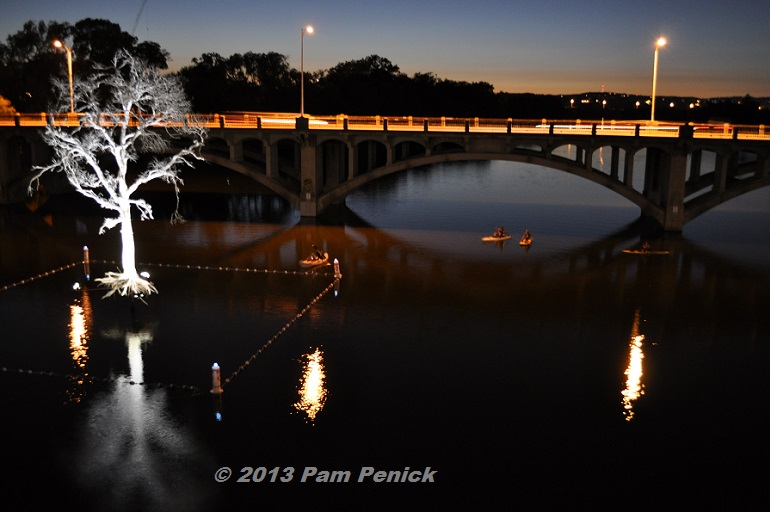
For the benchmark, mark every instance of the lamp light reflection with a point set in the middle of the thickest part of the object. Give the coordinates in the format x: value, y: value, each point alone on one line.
x: 81, y: 322
x: 312, y: 389
x: 634, y: 387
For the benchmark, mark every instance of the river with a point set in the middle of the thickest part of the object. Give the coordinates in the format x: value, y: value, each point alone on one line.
x: 479, y: 376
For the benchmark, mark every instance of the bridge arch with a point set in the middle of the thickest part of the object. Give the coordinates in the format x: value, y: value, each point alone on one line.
x: 369, y: 153
x: 338, y: 194
x: 318, y: 163
x: 407, y: 149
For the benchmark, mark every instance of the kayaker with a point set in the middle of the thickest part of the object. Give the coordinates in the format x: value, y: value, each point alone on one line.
x: 316, y: 253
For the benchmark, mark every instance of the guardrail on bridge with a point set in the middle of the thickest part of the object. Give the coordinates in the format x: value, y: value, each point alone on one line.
x: 292, y: 121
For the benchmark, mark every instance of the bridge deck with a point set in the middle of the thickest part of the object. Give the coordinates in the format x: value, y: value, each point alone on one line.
x: 289, y: 121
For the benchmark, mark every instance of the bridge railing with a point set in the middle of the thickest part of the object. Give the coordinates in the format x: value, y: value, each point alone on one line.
x: 289, y: 121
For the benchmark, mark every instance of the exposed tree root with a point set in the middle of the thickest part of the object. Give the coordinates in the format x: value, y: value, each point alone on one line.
x: 128, y: 285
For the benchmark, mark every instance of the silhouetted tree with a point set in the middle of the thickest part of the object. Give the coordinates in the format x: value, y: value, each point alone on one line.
x: 152, y: 54
x: 205, y: 83
x: 96, y: 41
x: 530, y: 106
x: 27, y: 63
x: 365, y: 86
x: 28, y: 60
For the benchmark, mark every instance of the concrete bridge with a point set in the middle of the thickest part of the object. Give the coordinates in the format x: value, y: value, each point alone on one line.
x: 314, y: 162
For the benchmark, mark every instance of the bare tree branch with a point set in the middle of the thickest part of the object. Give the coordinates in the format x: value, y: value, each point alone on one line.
x: 123, y: 111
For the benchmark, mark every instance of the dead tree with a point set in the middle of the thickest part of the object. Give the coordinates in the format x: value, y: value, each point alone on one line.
x: 122, y: 112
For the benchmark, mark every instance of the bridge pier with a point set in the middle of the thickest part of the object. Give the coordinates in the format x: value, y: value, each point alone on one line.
x: 720, y: 173
x: 664, y: 187
x: 236, y: 151
x: 628, y: 170
x: 271, y: 160
x: 352, y: 159
x: 673, y: 206
x: 310, y: 176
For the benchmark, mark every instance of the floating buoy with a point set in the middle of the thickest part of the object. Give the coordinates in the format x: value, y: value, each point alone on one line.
x: 216, y: 380
x: 86, y: 263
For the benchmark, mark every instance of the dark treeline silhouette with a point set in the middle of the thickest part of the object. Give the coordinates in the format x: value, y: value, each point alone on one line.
x: 29, y: 62
x: 372, y: 85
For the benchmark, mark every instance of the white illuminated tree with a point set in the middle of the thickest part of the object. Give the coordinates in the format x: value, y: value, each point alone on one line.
x: 123, y: 111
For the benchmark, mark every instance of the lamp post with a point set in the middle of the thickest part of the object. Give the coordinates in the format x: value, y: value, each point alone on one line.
x: 59, y: 44
x: 660, y: 42
x: 309, y: 30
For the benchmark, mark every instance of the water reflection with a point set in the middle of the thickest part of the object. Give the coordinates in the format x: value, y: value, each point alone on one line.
x: 134, y: 455
x: 312, y: 388
x: 81, y: 322
x: 634, y: 387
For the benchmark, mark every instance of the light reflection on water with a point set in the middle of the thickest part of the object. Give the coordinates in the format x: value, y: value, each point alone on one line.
x: 130, y: 446
x: 312, y: 385
x: 81, y: 323
x: 634, y: 387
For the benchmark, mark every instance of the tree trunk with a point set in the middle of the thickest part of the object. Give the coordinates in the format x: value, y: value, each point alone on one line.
x: 127, y: 238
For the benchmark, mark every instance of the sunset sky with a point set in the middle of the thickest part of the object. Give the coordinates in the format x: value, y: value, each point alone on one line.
x: 715, y: 48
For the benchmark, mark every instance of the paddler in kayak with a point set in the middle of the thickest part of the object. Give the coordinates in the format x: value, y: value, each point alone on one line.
x: 316, y: 254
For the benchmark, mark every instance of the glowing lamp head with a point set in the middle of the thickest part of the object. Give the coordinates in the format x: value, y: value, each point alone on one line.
x: 58, y: 44
x: 309, y: 29
x: 660, y: 42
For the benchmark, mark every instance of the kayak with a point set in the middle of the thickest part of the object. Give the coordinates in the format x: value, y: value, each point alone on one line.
x: 494, y: 238
x: 311, y: 261
x: 644, y: 251
x: 526, y: 242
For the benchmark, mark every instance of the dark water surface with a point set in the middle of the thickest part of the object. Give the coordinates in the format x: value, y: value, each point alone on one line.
x: 564, y: 377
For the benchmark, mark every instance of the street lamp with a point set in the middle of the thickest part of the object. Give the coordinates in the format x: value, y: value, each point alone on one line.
x: 309, y: 30
x: 59, y: 44
x: 660, y: 42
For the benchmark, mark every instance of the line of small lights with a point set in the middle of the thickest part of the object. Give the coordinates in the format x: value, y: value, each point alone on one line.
x: 311, y: 272
x: 80, y: 379
x: 283, y: 330
x: 39, y: 276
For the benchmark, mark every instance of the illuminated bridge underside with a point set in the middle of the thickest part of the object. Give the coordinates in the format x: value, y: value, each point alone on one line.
x: 317, y: 168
